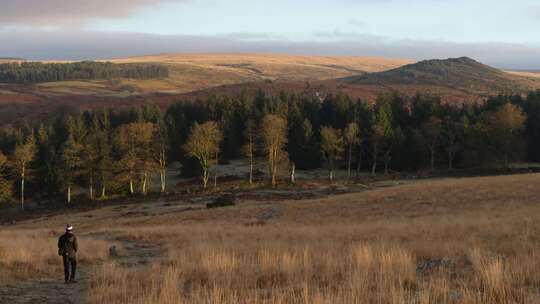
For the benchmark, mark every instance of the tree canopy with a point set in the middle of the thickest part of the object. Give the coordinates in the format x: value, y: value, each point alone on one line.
x: 117, y: 151
x: 35, y: 72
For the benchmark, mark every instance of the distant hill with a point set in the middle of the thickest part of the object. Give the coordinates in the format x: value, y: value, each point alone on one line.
x: 192, y: 76
x: 11, y: 59
x: 189, y: 75
x: 526, y: 73
x: 462, y: 73
x: 193, y: 72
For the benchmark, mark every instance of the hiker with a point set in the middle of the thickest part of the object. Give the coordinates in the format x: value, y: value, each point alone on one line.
x: 67, y: 249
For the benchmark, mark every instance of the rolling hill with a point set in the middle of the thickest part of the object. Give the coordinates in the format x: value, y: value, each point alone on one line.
x: 191, y: 76
x: 193, y: 72
x: 456, y: 80
x: 528, y: 74
x: 461, y: 74
x: 11, y: 59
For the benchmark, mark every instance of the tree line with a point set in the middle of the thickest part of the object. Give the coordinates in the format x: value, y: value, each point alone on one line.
x: 36, y: 72
x: 109, y: 151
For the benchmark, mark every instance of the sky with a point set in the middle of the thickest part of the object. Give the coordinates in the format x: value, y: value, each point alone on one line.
x: 505, y: 33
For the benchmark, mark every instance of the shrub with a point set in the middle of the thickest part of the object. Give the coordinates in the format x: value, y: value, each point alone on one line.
x: 222, y: 201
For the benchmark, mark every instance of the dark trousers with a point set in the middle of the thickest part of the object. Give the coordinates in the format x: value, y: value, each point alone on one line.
x: 70, y: 266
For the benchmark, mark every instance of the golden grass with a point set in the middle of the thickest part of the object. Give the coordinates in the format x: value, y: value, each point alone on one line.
x: 80, y: 87
x: 485, y: 259
x: 471, y: 240
x: 193, y: 72
x: 525, y: 74
x: 226, y: 60
x: 264, y: 275
x: 29, y: 254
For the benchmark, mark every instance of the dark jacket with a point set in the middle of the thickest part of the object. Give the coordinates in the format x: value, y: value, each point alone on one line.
x: 67, y: 245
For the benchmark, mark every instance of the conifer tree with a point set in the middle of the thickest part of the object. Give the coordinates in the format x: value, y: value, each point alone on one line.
x: 5, y: 185
x: 385, y: 136
x: 432, y: 132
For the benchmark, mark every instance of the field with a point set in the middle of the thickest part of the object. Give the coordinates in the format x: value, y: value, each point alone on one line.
x: 527, y: 74
x: 190, y: 75
x: 451, y: 240
x: 195, y: 76
x: 193, y: 72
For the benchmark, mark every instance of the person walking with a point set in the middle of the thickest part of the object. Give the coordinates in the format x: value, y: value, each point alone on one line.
x: 67, y: 249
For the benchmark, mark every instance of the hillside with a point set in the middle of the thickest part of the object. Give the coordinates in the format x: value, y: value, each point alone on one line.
x: 528, y: 74
x: 11, y: 59
x: 193, y: 72
x: 200, y: 75
x: 439, y: 240
x: 188, y: 74
x: 456, y: 80
x: 462, y: 74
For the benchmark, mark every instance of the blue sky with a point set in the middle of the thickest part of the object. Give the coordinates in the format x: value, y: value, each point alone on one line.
x: 452, y: 20
x: 502, y: 33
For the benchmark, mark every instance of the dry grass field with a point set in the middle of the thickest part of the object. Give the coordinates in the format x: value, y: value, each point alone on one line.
x: 533, y: 75
x: 30, y: 253
x: 195, y: 76
x: 189, y: 73
x: 273, y: 64
x: 469, y: 240
x: 194, y: 72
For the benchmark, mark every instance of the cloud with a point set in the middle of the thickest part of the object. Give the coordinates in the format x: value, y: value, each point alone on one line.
x: 356, y: 23
x: 338, y: 34
x: 252, y: 36
x: 63, y: 12
x: 78, y: 45
x: 536, y: 13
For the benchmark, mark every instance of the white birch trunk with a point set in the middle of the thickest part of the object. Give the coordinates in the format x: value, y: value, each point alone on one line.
x: 145, y: 177
x: 216, y: 170
x: 251, y: 169
x: 162, y: 180
x: 91, y: 187
x: 293, y: 169
x: 22, y: 185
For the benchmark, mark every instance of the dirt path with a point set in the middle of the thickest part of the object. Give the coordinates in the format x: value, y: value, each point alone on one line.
x: 55, y: 291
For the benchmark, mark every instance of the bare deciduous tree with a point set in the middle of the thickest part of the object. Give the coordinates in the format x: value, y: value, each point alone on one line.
x: 250, y: 134
x: 505, y: 126
x: 24, y: 153
x: 161, y: 146
x: 134, y: 141
x: 332, y: 147
x: 203, y: 143
x: 72, y: 154
x: 274, y: 138
x: 352, y: 138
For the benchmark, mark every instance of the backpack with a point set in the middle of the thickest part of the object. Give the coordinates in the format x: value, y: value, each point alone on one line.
x: 68, y: 245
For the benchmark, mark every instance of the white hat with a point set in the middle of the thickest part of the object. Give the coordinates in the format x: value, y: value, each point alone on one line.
x: 69, y: 227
